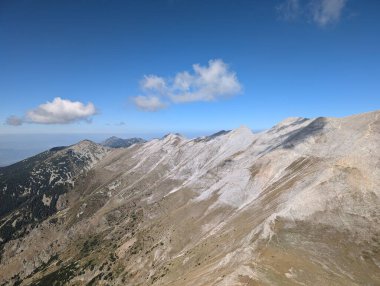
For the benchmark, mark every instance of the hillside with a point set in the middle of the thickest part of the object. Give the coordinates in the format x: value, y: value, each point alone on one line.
x: 297, y: 204
x: 116, y: 142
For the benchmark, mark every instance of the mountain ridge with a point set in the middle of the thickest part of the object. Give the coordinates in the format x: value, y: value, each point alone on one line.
x: 297, y: 203
x: 116, y: 142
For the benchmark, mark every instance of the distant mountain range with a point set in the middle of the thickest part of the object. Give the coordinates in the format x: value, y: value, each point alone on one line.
x: 297, y: 204
x: 116, y: 142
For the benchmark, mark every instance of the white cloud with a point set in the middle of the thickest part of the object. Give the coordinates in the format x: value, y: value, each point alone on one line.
x: 148, y: 103
x: 153, y: 82
x: 204, y: 83
x: 321, y: 12
x: 59, y: 111
x: 327, y: 11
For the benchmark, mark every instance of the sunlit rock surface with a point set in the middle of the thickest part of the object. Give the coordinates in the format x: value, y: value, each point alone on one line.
x: 297, y: 204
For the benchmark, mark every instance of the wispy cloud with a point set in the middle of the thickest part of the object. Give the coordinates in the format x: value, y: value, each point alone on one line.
x: 153, y: 82
x: 58, y: 111
x: 289, y: 9
x: 13, y: 120
x: 120, y: 123
x: 320, y: 12
x: 327, y: 11
x: 149, y: 103
x: 205, y: 83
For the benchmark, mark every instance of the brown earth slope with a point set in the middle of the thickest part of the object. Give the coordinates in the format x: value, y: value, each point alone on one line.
x: 294, y: 205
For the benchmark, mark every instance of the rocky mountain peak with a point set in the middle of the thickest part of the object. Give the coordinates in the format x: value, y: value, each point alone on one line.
x: 295, y: 204
x: 241, y: 131
x: 173, y: 137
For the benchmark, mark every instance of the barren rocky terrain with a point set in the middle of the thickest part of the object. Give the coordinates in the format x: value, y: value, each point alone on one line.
x: 297, y: 204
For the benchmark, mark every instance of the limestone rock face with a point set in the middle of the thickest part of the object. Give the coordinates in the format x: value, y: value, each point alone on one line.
x: 297, y: 204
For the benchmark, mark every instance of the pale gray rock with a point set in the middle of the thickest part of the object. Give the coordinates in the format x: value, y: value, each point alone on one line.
x: 297, y: 204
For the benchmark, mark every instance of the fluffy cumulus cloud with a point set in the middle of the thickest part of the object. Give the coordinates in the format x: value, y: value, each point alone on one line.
x: 153, y: 82
x: 148, y: 103
x: 321, y: 12
x: 58, y: 111
x: 203, y: 83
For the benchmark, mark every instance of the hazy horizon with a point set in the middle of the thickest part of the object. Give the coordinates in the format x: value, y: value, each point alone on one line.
x: 16, y: 147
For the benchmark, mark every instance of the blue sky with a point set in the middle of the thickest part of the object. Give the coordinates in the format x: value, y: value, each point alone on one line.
x: 79, y: 66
